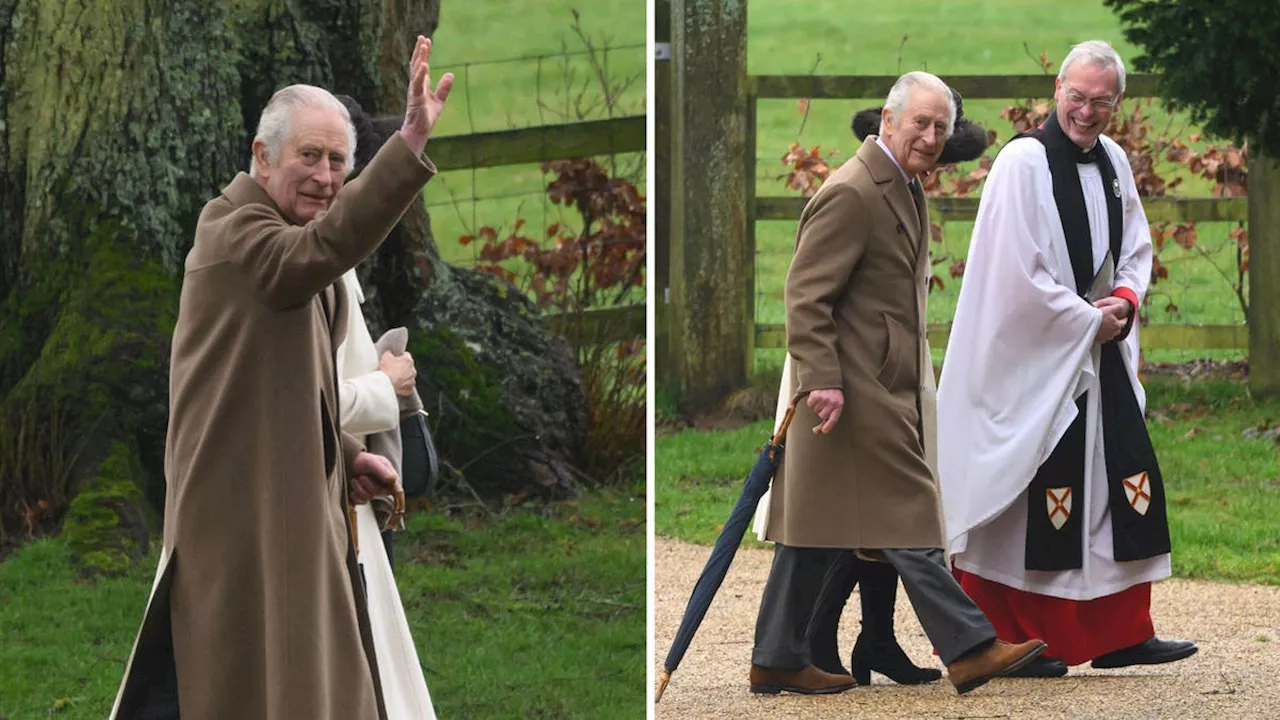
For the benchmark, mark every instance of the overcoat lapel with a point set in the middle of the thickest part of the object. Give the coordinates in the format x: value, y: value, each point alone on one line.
x: 894, y: 188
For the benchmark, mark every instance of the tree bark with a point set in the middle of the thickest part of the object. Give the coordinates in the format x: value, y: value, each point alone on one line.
x: 118, y: 122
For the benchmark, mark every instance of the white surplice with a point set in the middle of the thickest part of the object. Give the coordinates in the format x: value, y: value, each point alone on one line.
x: 1021, y: 353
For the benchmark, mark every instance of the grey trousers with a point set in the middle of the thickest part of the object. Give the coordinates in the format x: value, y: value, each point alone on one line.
x: 953, y: 623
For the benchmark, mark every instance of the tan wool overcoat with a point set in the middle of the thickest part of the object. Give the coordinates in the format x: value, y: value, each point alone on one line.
x: 855, y: 314
x: 258, y: 580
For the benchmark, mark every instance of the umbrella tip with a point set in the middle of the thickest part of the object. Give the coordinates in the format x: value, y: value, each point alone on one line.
x: 663, y: 678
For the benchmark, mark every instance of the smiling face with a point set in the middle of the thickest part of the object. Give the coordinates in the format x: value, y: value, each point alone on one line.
x: 916, y: 139
x: 311, y: 167
x: 1086, y: 98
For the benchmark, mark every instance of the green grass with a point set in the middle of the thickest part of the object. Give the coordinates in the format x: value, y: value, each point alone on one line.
x: 500, y: 86
x: 539, y: 613
x: 1223, y: 488
x: 971, y: 37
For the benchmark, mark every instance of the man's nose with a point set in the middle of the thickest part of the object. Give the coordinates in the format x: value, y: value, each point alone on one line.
x: 320, y: 174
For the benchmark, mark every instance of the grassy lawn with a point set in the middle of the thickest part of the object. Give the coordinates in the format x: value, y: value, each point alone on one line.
x: 504, y: 85
x: 825, y: 37
x: 1223, y: 487
x: 538, y: 613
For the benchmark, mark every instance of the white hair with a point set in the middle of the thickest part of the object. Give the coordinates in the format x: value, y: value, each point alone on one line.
x: 275, y: 125
x: 1094, y: 52
x: 896, y: 102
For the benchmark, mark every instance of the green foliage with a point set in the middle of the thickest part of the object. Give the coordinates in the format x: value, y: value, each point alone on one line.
x: 597, y: 265
x: 1218, y: 61
x: 475, y: 388
x: 536, y: 612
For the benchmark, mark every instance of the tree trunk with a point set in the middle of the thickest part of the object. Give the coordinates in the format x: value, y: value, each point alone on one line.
x: 118, y: 122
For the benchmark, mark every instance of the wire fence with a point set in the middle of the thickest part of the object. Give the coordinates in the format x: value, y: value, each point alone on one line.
x: 519, y: 112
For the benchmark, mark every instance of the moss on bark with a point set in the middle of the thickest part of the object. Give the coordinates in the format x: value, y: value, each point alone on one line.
x: 108, y: 527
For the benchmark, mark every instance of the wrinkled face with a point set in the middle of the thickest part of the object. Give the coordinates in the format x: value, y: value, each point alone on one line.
x: 916, y: 139
x: 1086, y: 98
x: 311, y: 167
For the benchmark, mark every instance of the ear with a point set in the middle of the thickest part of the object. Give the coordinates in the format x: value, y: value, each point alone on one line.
x: 886, y: 119
x: 260, y: 155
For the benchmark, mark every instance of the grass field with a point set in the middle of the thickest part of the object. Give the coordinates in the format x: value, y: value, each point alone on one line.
x: 536, y: 614
x: 502, y: 84
x: 958, y: 38
x: 1223, y: 487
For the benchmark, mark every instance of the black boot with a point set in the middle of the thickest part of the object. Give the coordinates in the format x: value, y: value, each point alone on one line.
x: 877, y: 647
x: 824, y: 624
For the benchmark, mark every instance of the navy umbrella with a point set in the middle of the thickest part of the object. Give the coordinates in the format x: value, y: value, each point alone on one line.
x: 726, y: 547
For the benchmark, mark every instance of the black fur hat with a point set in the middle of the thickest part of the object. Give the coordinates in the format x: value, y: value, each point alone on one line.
x: 967, y: 142
x: 371, y: 132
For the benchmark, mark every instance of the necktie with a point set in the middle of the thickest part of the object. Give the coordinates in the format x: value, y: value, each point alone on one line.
x: 917, y: 194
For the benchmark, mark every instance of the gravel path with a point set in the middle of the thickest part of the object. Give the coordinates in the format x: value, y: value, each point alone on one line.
x: 1233, y: 676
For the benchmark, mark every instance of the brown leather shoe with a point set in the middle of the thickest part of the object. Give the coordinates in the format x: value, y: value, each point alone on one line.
x: 974, y: 669
x: 808, y: 680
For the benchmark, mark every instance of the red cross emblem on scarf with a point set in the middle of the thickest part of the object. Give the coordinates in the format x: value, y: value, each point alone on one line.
x: 1058, y: 500
x: 1138, y: 489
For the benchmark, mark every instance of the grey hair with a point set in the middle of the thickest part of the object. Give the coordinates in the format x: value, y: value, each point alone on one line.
x: 275, y: 125
x: 896, y: 102
x: 1094, y: 52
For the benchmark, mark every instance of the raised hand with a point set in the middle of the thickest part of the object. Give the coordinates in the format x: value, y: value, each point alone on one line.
x: 423, y: 105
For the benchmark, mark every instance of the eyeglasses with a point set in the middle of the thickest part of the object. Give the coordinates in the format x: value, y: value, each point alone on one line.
x: 1099, y: 104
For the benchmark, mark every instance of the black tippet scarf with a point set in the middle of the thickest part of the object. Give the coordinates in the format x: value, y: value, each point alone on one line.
x: 1127, y: 445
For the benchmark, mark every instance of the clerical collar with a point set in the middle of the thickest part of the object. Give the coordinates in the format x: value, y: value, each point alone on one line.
x: 1082, y: 157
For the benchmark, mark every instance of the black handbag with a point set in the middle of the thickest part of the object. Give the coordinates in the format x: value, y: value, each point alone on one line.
x: 420, y: 466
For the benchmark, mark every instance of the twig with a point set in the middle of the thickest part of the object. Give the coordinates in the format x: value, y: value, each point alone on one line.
x: 1027, y: 49
x: 615, y: 603
x: 804, y: 118
x: 1238, y: 288
x: 462, y: 481
x: 497, y: 446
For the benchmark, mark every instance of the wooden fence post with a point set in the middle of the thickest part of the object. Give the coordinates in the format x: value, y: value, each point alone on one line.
x: 709, y: 254
x: 1264, y: 274
x: 660, y: 198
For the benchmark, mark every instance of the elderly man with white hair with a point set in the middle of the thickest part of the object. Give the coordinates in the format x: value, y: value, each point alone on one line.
x: 1055, y: 504
x: 258, y: 610
x: 862, y: 480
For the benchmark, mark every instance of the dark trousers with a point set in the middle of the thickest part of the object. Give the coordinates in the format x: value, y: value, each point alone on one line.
x: 953, y: 623
x: 879, y: 583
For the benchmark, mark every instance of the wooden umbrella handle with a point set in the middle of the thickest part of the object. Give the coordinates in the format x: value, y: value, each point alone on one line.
x: 781, y: 434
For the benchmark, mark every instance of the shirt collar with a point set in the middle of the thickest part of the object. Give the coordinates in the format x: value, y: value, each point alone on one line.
x: 894, y: 159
